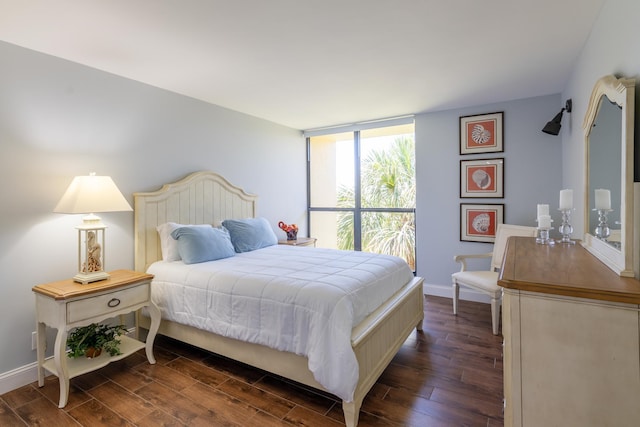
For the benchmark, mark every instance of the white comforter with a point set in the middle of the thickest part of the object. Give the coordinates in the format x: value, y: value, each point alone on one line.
x: 296, y: 299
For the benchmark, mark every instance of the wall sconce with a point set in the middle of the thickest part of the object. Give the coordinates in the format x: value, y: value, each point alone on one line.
x: 86, y: 195
x: 553, y: 127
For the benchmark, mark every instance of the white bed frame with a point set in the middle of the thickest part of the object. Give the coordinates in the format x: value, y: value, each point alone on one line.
x: 208, y: 198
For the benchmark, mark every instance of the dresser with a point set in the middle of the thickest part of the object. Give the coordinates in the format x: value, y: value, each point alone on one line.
x: 66, y: 304
x: 571, y: 331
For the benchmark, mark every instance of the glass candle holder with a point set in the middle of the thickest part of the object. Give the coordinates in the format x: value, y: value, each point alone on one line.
x: 566, y: 228
x: 543, y: 236
x: 602, y: 231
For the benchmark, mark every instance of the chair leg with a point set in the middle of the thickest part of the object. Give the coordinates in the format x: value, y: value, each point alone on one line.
x: 495, y: 314
x: 456, y: 295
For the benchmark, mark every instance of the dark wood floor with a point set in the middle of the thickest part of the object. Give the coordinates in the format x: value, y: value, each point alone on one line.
x: 448, y: 375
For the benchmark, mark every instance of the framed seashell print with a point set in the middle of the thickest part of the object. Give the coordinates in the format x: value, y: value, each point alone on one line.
x: 482, y: 178
x: 482, y: 133
x: 478, y: 223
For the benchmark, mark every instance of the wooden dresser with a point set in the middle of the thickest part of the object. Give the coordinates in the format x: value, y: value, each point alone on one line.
x: 571, y: 331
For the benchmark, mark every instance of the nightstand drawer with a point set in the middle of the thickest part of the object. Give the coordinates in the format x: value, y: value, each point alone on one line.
x: 103, y: 304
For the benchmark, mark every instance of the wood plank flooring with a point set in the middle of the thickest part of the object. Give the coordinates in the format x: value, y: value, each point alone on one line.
x: 448, y: 375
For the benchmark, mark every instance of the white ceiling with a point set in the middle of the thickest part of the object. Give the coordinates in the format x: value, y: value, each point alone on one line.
x: 314, y: 63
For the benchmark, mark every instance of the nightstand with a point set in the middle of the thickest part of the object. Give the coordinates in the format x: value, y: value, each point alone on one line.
x: 300, y: 241
x: 66, y: 304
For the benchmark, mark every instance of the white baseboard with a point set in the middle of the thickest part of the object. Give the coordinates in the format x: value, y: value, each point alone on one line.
x: 18, y: 377
x: 447, y: 292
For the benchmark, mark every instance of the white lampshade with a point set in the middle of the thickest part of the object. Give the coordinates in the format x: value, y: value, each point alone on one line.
x: 91, y: 193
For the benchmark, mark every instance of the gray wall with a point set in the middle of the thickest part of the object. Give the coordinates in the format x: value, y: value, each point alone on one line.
x: 59, y: 119
x: 532, y: 175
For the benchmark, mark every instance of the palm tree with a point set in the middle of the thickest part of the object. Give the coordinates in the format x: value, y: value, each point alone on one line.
x: 387, y: 181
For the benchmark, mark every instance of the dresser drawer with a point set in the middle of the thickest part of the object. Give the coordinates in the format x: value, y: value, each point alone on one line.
x: 107, y: 303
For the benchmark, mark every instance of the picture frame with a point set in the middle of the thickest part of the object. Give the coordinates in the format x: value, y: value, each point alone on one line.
x: 482, y: 178
x: 482, y: 133
x: 479, y: 222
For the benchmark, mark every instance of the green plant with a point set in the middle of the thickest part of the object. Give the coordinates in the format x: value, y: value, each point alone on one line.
x: 95, y: 336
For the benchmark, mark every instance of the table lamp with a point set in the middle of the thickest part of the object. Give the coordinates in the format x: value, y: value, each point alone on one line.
x: 87, y: 195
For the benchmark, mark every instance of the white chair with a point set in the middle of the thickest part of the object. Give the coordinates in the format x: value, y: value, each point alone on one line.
x: 487, y: 281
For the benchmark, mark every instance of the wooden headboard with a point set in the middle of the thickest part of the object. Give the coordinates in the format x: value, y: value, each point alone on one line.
x: 200, y: 198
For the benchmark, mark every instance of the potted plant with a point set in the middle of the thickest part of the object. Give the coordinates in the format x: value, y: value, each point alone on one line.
x: 90, y: 340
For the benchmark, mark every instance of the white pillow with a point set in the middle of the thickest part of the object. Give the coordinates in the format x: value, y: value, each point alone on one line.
x: 168, y: 244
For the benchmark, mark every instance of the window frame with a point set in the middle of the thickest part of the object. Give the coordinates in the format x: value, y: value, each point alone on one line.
x: 357, y: 210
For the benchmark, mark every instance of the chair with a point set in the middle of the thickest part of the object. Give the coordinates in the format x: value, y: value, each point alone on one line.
x: 487, y: 281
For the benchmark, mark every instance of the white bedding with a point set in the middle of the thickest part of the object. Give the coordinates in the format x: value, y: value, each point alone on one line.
x: 296, y: 299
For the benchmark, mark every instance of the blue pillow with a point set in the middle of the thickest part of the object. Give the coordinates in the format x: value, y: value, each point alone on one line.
x: 250, y: 234
x: 200, y: 244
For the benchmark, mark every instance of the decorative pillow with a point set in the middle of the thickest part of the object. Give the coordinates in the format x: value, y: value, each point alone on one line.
x: 200, y: 244
x: 168, y: 244
x: 250, y: 234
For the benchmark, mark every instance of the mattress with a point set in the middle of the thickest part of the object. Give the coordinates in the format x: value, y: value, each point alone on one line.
x: 298, y: 299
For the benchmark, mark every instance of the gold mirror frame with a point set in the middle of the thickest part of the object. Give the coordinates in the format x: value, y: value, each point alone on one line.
x: 620, y: 91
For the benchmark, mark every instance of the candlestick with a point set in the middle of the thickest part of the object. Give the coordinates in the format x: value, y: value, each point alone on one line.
x: 603, y: 199
x: 566, y: 199
x: 565, y: 228
x: 544, y: 225
x: 602, y: 231
x: 543, y: 237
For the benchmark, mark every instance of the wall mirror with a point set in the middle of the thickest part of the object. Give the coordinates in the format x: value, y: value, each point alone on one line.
x: 609, y: 152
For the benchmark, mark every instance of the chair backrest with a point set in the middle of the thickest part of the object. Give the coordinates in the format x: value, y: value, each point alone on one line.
x: 503, y: 233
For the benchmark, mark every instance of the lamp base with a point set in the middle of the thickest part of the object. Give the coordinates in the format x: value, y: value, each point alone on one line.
x: 85, y: 278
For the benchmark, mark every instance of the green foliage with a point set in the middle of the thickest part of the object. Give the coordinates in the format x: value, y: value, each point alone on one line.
x: 387, y: 181
x: 97, y: 336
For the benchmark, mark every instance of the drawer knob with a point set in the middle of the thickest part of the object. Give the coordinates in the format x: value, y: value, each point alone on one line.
x: 113, y: 302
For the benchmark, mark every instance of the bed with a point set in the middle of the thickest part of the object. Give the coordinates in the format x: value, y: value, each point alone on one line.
x: 207, y: 198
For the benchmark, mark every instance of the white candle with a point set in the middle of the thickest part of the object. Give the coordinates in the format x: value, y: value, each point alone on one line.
x: 566, y: 199
x: 544, y: 221
x: 603, y: 199
x: 543, y: 210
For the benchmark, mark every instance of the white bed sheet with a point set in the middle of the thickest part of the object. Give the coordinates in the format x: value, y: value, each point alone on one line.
x: 297, y: 299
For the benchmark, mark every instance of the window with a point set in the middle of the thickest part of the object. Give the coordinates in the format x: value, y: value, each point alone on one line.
x: 362, y: 190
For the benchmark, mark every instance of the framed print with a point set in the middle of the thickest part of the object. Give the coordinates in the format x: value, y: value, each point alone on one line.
x: 482, y: 178
x: 481, y: 133
x: 478, y: 223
